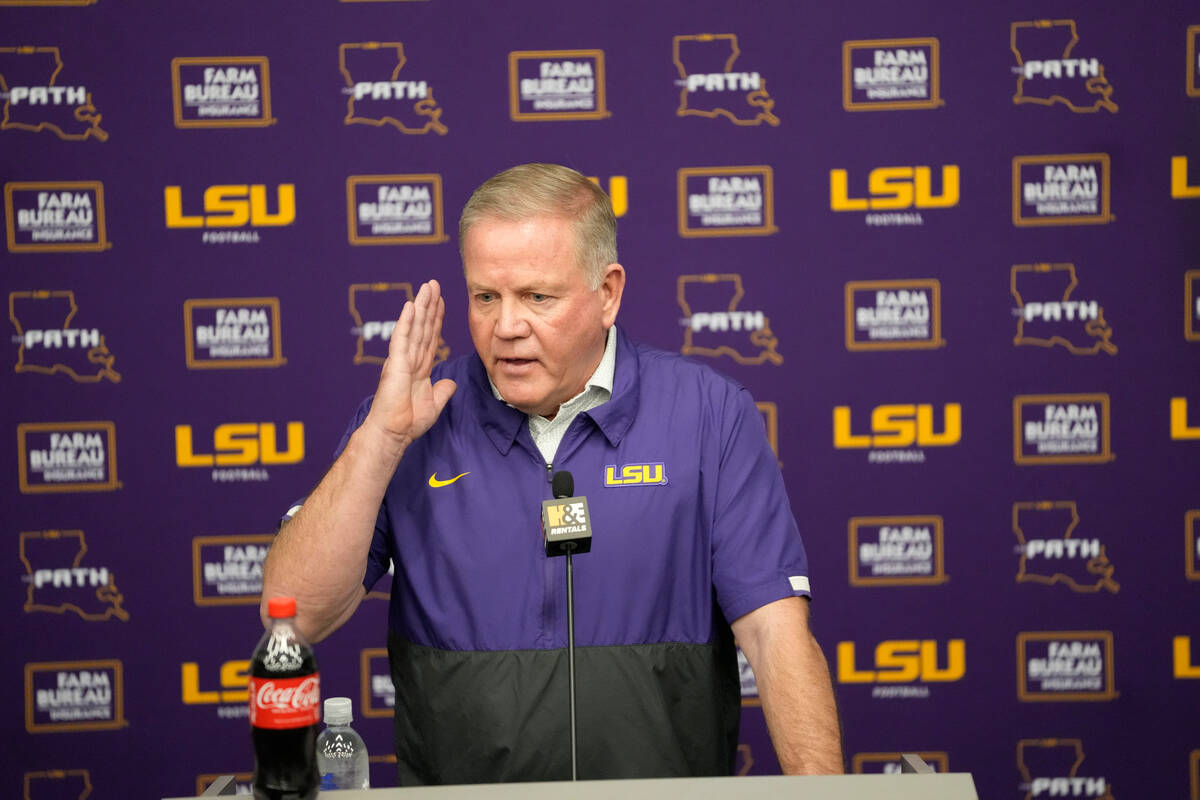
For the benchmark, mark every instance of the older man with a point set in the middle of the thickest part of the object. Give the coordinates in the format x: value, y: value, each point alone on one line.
x: 442, y: 476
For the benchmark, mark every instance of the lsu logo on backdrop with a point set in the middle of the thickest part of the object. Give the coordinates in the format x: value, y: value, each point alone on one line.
x: 227, y: 570
x: 895, y: 195
x: 74, y: 696
x: 1055, y: 768
x: 1181, y: 651
x: 904, y: 666
x: 897, y: 551
x: 1181, y: 186
x: 378, y: 691
x: 1191, y: 305
x: 47, y: 344
x: 378, y: 96
x: 1191, y: 533
x: 1065, y: 666
x: 715, y: 325
x: 898, y: 431
x: 1049, y: 553
x: 55, y: 217
x: 226, y: 686
x: 1180, y: 427
x: 59, y: 580
x: 738, y: 96
x: 556, y: 84
x: 221, y: 92
x: 375, y: 308
x: 1049, y: 72
x: 1061, y: 190
x: 889, y: 763
x: 232, y: 332
x: 395, y: 209
x: 891, y: 74
x: 1061, y: 429
x: 35, y: 101
x: 56, y: 457
x: 653, y: 474
x: 726, y: 201
x: 894, y: 315
x: 1049, y: 314
x: 240, y: 450
x: 228, y: 206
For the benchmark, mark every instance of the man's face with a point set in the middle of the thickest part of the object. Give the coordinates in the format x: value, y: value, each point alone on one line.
x: 535, y: 323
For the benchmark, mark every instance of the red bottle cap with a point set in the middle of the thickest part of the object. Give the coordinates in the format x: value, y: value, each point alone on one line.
x: 280, y: 607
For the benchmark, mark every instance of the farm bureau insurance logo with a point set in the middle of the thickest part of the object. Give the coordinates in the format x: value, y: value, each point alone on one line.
x: 1065, y: 666
x: 895, y: 195
x: 556, y: 85
x: 232, y: 332
x: 1192, y: 84
x: 55, y: 217
x: 55, y: 457
x: 1049, y: 73
x: 726, y: 201
x: 240, y: 450
x: 891, y: 74
x: 1191, y: 305
x: 714, y: 325
x: 711, y: 87
x: 1049, y: 314
x: 47, y: 344
x: 229, y: 206
x: 895, y: 429
x: 1055, y: 768
x: 59, y: 580
x: 221, y: 92
x: 74, y: 696
x: 395, y: 209
x: 378, y: 691
x: 1191, y: 534
x: 897, y: 551
x: 1072, y: 189
x: 378, y: 96
x: 1049, y: 553
x: 227, y: 570
x: 894, y: 315
x: 905, y: 667
x: 375, y: 308
x: 1061, y: 429
x: 35, y: 100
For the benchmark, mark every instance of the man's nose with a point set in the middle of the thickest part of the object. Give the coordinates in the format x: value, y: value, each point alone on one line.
x: 512, y: 322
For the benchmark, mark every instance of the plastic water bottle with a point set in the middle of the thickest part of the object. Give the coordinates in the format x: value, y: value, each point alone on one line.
x: 341, y: 753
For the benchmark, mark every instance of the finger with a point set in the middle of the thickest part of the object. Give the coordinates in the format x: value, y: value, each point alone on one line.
x: 401, y: 332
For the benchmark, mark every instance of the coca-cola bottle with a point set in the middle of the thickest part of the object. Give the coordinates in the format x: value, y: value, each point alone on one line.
x: 285, y: 712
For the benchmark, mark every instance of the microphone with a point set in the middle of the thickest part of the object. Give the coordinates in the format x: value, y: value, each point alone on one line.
x: 566, y: 522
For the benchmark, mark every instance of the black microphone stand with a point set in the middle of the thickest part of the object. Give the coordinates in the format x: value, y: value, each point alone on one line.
x: 569, y: 547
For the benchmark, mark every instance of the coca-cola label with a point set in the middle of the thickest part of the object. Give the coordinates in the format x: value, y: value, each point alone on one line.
x: 280, y: 703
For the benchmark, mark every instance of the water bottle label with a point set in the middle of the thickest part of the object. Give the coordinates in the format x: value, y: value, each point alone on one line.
x: 285, y: 702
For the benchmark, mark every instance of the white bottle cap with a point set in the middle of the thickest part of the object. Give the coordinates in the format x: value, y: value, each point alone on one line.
x: 338, y: 711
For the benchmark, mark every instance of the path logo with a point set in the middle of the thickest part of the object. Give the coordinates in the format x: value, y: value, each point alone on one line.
x: 244, y: 446
x: 395, y: 209
x: 375, y: 308
x: 1048, y: 314
x: 1191, y: 305
x: 1191, y: 533
x: 1049, y: 554
x: 1061, y: 190
x: 904, y: 665
x: 68, y: 784
x: 722, y: 328
x: 233, y: 206
x: 897, y: 551
x: 903, y: 192
x: 227, y: 570
x: 889, y: 763
x: 894, y: 315
x: 556, y: 84
x: 378, y: 96
x: 1065, y: 666
x: 710, y: 86
x: 1061, y: 429
x: 37, y: 98
x: 726, y: 201
x: 1180, y: 428
x: 59, y: 581
x: 221, y: 92
x: 74, y: 696
x: 891, y: 74
x: 1193, y: 77
x: 55, y: 217
x: 1054, y: 768
x: 232, y: 332
x: 1049, y: 72
x: 47, y: 344
x: 55, y: 457
x: 895, y: 429
x: 378, y: 691
x: 1181, y: 186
